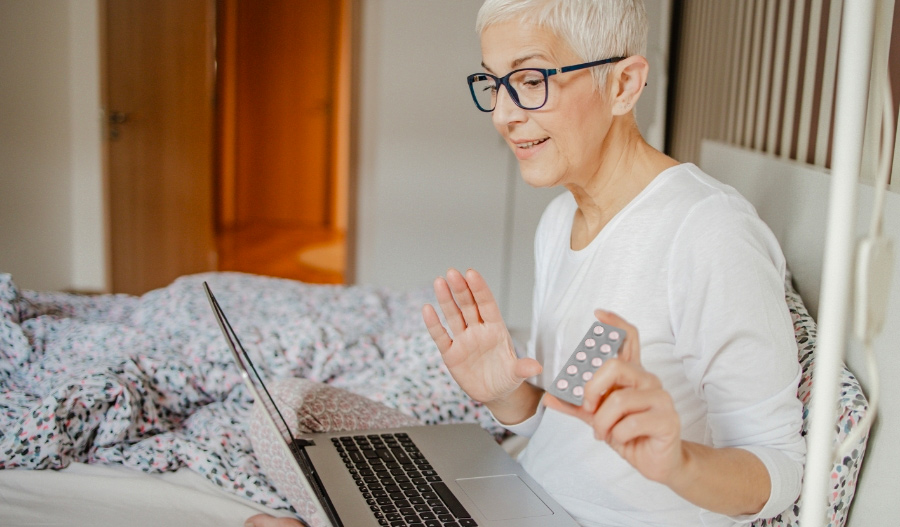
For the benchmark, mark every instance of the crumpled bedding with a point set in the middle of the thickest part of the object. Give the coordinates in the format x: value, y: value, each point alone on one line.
x: 148, y: 382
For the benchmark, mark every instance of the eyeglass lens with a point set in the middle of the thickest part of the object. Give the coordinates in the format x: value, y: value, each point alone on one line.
x: 528, y: 89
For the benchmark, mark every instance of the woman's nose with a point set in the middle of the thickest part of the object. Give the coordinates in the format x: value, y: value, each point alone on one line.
x: 505, y: 110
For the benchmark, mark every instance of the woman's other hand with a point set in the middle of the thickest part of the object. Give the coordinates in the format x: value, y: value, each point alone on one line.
x: 480, y: 353
x: 628, y: 409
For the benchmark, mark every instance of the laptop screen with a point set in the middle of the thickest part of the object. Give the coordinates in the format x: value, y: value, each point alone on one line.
x: 248, y: 370
x: 261, y: 394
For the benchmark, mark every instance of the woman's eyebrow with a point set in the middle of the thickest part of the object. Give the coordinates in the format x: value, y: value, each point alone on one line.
x: 520, y: 60
x: 516, y: 62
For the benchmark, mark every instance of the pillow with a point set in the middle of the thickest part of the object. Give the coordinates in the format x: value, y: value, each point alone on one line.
x: 307, y: 407
x: 852, y: 407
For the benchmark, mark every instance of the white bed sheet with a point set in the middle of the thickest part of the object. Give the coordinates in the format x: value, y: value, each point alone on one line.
x: 106, y: 495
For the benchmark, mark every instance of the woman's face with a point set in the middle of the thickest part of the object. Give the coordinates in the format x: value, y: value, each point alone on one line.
x: 562, y: 142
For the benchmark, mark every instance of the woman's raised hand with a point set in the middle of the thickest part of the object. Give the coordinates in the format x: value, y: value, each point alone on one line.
x: 478, y: 349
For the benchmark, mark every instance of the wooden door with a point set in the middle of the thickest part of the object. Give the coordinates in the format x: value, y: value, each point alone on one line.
x: 159, y: 98
x: 278, y: 88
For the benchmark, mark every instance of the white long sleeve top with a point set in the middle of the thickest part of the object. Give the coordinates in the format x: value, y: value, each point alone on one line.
x: 691, y: 265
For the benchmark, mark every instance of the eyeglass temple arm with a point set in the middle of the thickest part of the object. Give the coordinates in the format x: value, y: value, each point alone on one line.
x: 585, y: 65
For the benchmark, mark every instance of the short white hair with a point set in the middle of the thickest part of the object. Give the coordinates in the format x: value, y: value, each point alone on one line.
x: 594, y: 29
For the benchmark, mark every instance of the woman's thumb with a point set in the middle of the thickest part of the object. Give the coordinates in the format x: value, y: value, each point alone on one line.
x: 528, y: 367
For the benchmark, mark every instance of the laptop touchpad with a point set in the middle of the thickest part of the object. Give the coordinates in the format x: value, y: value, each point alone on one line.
x: 503, y: 497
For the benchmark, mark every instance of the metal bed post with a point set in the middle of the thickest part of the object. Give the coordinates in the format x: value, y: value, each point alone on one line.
x: 854, y: 69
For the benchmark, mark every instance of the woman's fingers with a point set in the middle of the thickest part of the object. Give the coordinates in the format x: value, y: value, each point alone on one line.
x: 464, y: 297
x: 626, y: 414
x: 615, y: 374
x: 621, y: 404
x: 487, y: 306
x: 654, y: 422
x: 264, y: 520
x: 465, y: 300
x: 452, y: 313
x: 437, y: 331
x: 527, y: 367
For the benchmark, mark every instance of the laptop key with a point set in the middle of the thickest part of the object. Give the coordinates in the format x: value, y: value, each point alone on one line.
x: 450, y: 500
x: 401, y: 456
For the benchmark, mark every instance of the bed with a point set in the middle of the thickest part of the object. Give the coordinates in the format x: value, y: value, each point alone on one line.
x: 132, y: 407
x: 121, y: 409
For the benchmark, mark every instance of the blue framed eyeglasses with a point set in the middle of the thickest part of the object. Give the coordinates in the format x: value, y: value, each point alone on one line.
x: 527, y: 87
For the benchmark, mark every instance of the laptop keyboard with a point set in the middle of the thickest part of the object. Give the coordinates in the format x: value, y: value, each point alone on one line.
x: 399, y: 484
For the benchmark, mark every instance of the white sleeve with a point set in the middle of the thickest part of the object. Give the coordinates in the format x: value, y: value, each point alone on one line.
x: 735, y: 338
x: 527, y: 427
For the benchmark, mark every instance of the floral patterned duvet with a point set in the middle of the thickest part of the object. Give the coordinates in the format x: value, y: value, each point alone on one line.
x: 149, y: 383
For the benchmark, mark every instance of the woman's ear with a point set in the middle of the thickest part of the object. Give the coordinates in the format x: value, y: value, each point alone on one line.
x: 628, y: 81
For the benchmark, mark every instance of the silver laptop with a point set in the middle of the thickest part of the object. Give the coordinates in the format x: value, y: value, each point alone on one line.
x: 452, y: 475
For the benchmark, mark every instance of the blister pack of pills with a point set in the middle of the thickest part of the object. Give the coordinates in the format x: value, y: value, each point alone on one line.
x: 599, y: 344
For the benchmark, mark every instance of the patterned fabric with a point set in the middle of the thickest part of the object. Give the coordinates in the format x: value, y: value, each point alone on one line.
x: 312, y: 407
x: 852, y: 407
x: 148, y: 382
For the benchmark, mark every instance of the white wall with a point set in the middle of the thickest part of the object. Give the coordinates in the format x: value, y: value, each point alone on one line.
x: 51, y: 230
x: 432, y: 171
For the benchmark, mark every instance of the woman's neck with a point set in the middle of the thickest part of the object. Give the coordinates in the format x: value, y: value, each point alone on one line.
x: 629, y: 165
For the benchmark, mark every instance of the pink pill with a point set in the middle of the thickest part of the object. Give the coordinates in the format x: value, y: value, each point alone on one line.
x: 578, y: 391
x: 598, y: 330
x: 572, y: 369
x: 562, y: 384
x: 587, y: 375
x: 606, y: 348
x: 596, y: 362
x: 580, y: 355
x: 590, y: 343
x: 613, y: 336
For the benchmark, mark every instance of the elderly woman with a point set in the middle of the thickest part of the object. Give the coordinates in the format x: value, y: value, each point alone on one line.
x: 697, y: 422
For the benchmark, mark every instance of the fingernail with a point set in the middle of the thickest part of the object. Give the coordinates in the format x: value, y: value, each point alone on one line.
x: 249, y: 523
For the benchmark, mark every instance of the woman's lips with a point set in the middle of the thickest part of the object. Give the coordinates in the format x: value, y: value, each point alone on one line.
x: 527, y: 149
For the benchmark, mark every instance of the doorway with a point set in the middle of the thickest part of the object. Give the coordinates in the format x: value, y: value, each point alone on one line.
x: 283, y: 98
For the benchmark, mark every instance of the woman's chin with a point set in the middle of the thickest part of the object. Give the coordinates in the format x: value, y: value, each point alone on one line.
x: 537, y: 178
